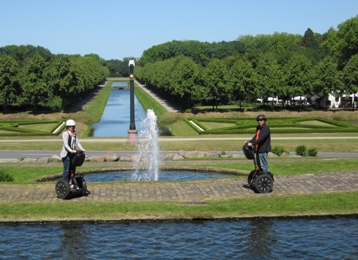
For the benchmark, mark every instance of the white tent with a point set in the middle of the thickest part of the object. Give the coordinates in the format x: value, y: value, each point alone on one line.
x: 298, y: 98
x: 272, y: 99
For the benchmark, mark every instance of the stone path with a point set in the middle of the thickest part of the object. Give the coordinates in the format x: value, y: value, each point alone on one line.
x: 186, y: 192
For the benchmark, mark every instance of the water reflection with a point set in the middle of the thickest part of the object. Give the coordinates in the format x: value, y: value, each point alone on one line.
x: 261, y: 239
x: 331, y: 238
x: 116, y: 115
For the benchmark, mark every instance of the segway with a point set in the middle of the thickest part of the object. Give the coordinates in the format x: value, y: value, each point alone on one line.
x: 63, y: 189
x: 258, y: 180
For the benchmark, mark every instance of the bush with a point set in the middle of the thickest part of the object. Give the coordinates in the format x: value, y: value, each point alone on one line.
x: 312, y: 152
x: 278, y: 150
x: 301, y: 150
x: 4, y: 177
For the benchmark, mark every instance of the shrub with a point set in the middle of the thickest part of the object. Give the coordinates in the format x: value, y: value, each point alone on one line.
x: 312, y: 152
x: 301, y: 150
x: 4, y: 177
x: 223, y: 153
x: 278, y: 150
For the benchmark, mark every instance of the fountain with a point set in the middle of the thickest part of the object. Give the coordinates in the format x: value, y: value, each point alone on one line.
x: 146, y: 166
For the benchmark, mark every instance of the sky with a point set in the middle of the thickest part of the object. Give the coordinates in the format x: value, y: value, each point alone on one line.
x: 116, y: 29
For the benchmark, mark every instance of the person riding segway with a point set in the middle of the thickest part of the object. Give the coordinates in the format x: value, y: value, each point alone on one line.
x: 257, y: 149
x: 71, y: 158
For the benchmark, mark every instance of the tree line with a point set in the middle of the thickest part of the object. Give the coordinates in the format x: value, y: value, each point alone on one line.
x: 33, y: 78
x: 284, y: 65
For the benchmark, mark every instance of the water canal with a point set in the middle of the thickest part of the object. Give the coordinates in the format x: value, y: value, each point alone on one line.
x: 116, y: 115
x: 323, y: 238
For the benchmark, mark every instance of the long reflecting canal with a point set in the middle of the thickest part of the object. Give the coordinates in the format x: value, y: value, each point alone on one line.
x: 329, y: 238
x: 116, y: 115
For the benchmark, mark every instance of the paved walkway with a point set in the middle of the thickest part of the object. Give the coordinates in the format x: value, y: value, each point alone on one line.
x: 186, y: 192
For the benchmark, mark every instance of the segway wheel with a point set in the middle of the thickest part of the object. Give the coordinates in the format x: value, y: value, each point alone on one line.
x: 84, y: 187
x: 263, y: 183
x: 62, y: 189
x: 250, y: 177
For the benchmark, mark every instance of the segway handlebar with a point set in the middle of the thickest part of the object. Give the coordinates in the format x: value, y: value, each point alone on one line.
x: 248, y: 151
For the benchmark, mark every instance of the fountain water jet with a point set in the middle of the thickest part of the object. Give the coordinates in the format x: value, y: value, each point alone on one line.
x: 146, y: 166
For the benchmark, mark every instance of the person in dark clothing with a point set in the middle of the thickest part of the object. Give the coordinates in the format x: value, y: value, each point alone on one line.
x: 261, y: 142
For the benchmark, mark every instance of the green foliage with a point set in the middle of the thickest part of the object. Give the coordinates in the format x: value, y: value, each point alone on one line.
x: 5, y: 177
x: 312, y: 152
x: 9, y: 87
x: 277, y: 125
x: 350, y: 75
x: 95, y: 108
x: 34, y: 88
x: 20, y: 128
x: 278, y: 150
x: 148, y: 102
x: 301, y: 150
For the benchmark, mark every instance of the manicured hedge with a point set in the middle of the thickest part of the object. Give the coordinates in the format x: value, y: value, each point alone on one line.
x: 11, y: 128
x: 277, y: 125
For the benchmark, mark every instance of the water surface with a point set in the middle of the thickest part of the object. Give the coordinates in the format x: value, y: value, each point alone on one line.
x: 115, y: 119
x: 162, y: 176
x: 330, y: 238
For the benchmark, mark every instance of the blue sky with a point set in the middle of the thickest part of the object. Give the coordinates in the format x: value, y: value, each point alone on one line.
x: 115, y: 29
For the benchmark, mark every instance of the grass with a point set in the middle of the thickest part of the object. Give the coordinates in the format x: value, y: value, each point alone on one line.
x: 338, y: 203
x: 289, y: 166
x: 148, y: 102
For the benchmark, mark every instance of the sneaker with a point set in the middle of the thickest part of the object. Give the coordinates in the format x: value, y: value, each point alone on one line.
x: 72, y: 186
x: 77, y: 188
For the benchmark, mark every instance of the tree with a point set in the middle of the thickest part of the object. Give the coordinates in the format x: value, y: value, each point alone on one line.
x: 243, y: 80
x: 185, y: 79
x: 9, y: 86
x: 60, y: 79
x: 350, y: 77
x: 215, y: 78
x: 309, y: 40
x: 35, y: 88
x: 298, y: 76
x: 269, y: 76
x: 342, y: 43
x: 327, y: 79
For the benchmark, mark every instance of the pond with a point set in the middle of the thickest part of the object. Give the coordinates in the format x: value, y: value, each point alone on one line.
x: 323, y: 238
x: 162, y: 176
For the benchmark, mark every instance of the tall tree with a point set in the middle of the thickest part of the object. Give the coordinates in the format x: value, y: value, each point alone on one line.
x: 60, y: 79
x: 327, y: 78
x: 35, y: 88
x: 350, y: 77
x: 215, y: 78
x: 269, y: 76
x: 243, y: 80
x: 298, y: 76
x: 342, y: 43
x: 185, y: 79
x: 9, y: 85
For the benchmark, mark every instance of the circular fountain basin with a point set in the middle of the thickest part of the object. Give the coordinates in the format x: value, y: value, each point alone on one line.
x: 162, y: 176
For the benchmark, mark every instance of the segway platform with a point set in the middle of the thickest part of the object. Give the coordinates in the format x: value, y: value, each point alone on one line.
x: 63, y: 189
x: 259, y: 181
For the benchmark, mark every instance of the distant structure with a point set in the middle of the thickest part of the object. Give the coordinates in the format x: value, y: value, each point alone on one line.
x: 131, y: 65
x: 132, y: 132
